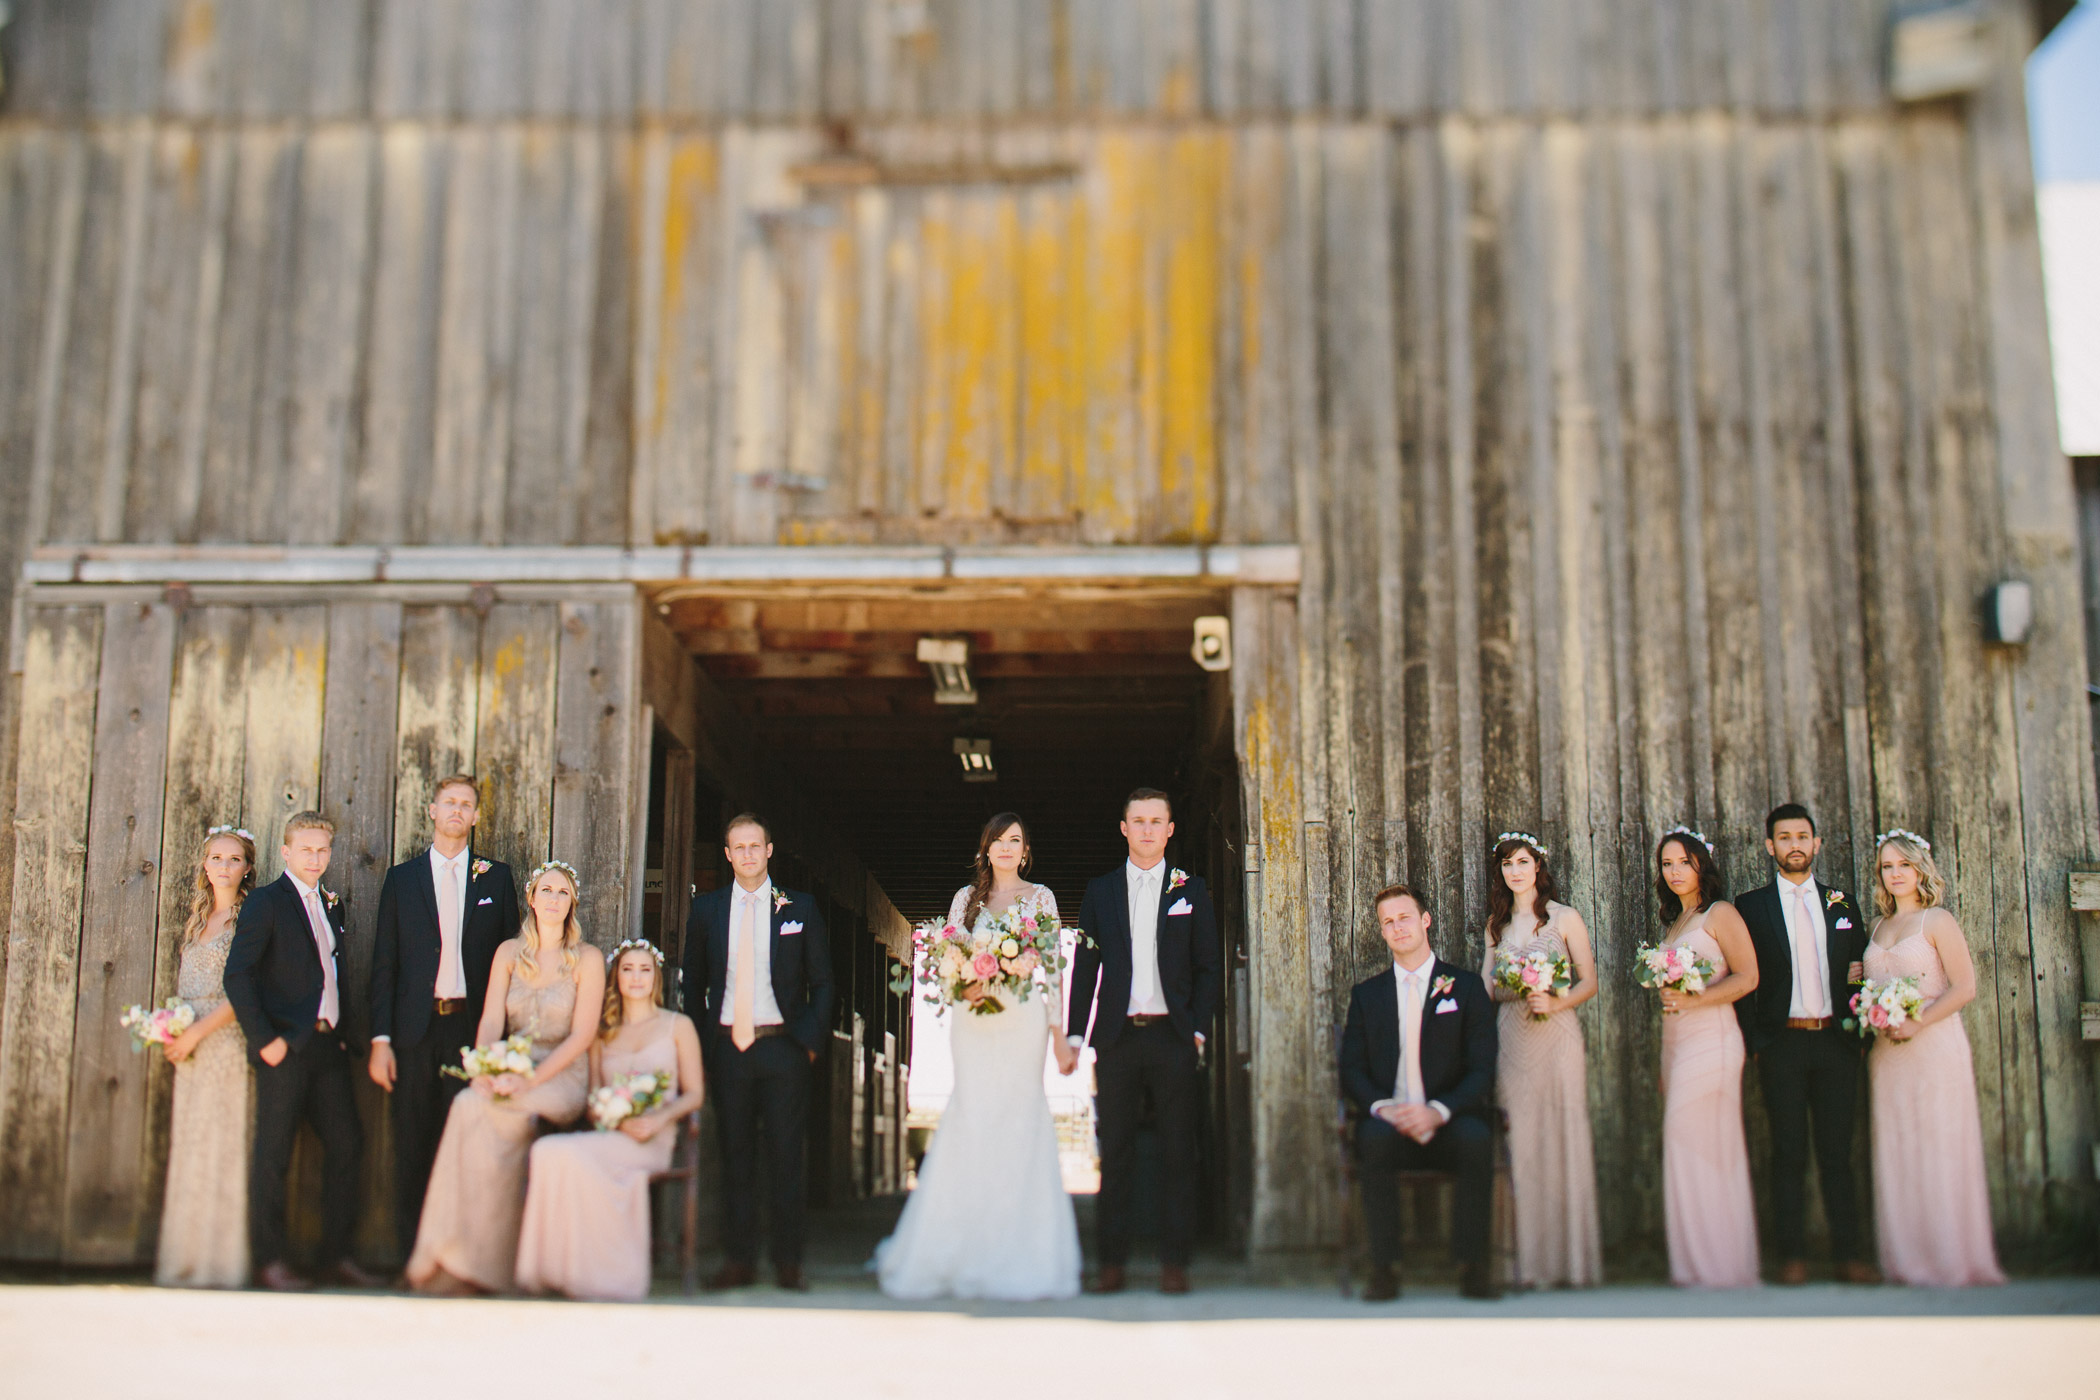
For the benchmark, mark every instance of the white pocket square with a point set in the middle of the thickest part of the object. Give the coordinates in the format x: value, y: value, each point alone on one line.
x: 1447, y: 1004
x: 486, y: 899
x: 1181, y: 906
x: 791, y: 926
x: 1842, y: 923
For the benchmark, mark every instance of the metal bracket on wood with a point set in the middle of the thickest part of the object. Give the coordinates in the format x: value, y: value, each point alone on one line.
x: 2089, y: 1019
x: 482, y: 599
x: 177, y: 596
x: 2085, y: 891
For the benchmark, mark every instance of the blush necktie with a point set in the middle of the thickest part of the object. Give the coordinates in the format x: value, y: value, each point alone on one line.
x: 741, y: 1030
x: 1410, y: 1085
x: 1808, y: 974
x: 331, y: 1009
x: 449, y: 981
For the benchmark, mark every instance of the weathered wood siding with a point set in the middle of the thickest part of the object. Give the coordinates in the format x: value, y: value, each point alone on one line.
x: 151, y: 724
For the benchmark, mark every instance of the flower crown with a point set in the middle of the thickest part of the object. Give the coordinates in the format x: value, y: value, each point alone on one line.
x: 1527, y: 838
x: 563, y: 866
x: 629, y: 945
x: 1911, y: 836
x: 240, y: 831
x: 1682, y: 830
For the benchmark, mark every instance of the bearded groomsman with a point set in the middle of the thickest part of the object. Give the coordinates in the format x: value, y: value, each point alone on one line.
x: 757, y: 971
x: 442, y: 915
x: 1810, y: 941
x: 1145, y: 979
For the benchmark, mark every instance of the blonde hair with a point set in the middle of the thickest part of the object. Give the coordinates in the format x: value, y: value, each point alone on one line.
x: 306, y: 821
x: 615, y: 1013
x: 529, y: 930
x: 202, y: 898
x: 1932, y: 886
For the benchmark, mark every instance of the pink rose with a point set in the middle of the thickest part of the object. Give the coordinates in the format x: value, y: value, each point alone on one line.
x: 1533, y: 976
x: 984, y: 966
x: 1879, y: 1017
x: 1028, y: 962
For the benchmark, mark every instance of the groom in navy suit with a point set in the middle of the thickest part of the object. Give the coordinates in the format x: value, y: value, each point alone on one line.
x: 1146, y: 979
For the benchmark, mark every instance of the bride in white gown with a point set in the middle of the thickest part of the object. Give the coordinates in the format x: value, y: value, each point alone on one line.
x: 990, y: 1217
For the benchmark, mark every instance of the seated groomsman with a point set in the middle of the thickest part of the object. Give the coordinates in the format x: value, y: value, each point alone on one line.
x: 1418, y: 1057
x: 283, y: 982
x: 442, y: 914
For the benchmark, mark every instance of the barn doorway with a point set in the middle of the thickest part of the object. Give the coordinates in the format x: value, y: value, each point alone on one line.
x: 1076, y: 696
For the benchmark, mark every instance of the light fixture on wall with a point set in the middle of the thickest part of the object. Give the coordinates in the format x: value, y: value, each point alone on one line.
x: 976, y: 756
x: 1213, y: 646
x: 950, y: 659
x: 1940, y: 48
x: 2008, y: 613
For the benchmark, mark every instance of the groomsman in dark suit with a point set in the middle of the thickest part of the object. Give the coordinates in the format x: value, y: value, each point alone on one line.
x: 1146, y: 978
x: 442, y: 915
x: 1810, y: 941
x: 757, y: 972
x: 283, y: 981
x: 1418, y: 1057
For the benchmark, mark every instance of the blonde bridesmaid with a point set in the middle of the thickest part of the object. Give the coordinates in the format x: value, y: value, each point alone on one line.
x: 586, y: 1231
x: 1707, y: 1209
x: 546, y: 985
x: 1540, y: 1076
x: 204, y: 1217
x: 1932, y: 1208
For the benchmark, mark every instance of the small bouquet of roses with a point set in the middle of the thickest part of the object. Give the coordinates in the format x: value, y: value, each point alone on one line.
x: 512, y: 1056
x: 1000, y: 961
x: 163, y: 1025
x: 1661, y: 968
x: 1880, y: 1007
x: 627, y: 1097
x: 1540, y: 970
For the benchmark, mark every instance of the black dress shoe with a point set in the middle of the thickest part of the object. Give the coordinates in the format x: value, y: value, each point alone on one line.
x: 1173, y: 1279
x: 731, y: 1275
x: 789, y: 1277
x: 1474, y: 1281
x: 348, y: 1273
x: 279, y: 1278
x: 1109, y: 1280
x: 1382, y: 1287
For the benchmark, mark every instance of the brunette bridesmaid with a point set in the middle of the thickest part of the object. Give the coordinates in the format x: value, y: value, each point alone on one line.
x: 586, y: 1231
x: 546, y: 985
x: 204, y: 1216
x: 1932, y: 1207
x: 1540, y: 1075
x: 1707, y: 1210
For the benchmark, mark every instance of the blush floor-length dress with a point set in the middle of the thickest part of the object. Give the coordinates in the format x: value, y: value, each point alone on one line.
x: 1707, y: 1209
x: 1932, y: 1208
x: 990, y: 1217
x: 204, y: 1214
x: 1543, y: 1084
x: 586, y: 1230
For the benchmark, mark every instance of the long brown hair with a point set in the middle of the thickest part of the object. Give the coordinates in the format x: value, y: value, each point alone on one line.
x: 1702, y: 857
x: 1502, y: 901
x: 202, y: 900
x: 614, y: 1013
x: 981, y: 876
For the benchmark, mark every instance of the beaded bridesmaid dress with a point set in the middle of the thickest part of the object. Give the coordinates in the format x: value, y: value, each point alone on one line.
x: 476, y: 1199
x: 586, y: 1230
x: 1932, y: 1209
x: 1707, y: 1209
x: 1542, y: 1082
x: 204, y: 1216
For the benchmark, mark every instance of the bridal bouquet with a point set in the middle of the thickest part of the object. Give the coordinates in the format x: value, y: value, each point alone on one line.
x: 512, y: 1056
x: 1001, y: 960
x: 626, y: 1097
x: 1540, y: 970
x: 160, y: 1026
x: 1659, y: 968
x: 1880, y: 1007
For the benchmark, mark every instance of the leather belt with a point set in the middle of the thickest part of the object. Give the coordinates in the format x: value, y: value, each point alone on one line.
x: 1150, y: 1020
x: 449, y: 1006
x: 759, y: 1033
x: 323, y: 1028
x: 1807, y: 1023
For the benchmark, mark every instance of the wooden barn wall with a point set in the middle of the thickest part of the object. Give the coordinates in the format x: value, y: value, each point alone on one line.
x: 151, y: 723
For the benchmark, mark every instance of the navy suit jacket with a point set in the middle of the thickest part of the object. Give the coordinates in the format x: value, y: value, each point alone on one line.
x: 801, y: 966
x: 1763, y: 1013
x: 1458, y: 1045
x: 273, y: 970
x: 405, y: 947
x: 1188, y: 958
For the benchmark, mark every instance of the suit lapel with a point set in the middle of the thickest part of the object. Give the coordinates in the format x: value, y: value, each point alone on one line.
x: 1167, y: 897
x: 426, y: 885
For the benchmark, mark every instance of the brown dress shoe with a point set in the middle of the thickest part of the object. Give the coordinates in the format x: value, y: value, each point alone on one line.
x: 1474, y: 1281
x: 349, y: 1274
x: 731, y: 1275
x: 279, y: 1278
x: 1109, y: 1280
x: 789, y: 1277
x: 1794, y: 1272
x: 1858, y: 1271
x: 1382, y: 1287
x: 1173, y: 1278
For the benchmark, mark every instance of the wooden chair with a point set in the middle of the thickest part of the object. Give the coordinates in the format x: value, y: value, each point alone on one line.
x: 685, y: 1169
x: 1423, y: 1184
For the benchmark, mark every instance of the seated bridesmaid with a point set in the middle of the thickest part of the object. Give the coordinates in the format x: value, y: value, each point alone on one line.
x: 586, y: 1229
x: 542, y: 985
x: 1932, y: 1207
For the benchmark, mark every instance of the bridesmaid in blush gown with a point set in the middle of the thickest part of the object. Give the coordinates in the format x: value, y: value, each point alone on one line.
x: 1540, y: 1075
x: 1932, y: 1208
x: 586, y: 1230
x: 543, y: 985
x: 1707, y: 1209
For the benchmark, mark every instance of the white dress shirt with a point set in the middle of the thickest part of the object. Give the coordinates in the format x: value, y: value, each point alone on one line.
x: 1146, y: 996
x: 1410, y: 989
x: 1804, y: 933
x: 331, y: 1009
x: 758, y: 905
x: 452, y: 967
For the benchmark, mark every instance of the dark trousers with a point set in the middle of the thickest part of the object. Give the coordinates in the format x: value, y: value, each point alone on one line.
x: 762, y: 1107
x: 421, y: 1099
x: 1147, y: 1063
x: 310, y: 1085
x: 1811, y: 1084
x: 1464, y: 1147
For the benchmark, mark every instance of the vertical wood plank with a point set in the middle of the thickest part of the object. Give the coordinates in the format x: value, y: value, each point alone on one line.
x: 435, y: 715
x: 514, y: 732
x: 463, y: 500
x: 597, y: 713
x: 399, y: 376
x: 675, y: 391
x: 338, y: 175
x: 281, y: 770
x: 79, y: 438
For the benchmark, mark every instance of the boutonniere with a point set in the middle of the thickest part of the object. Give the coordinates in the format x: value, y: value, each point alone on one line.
x: 1442, y: 985
x: 1176, y: 879
x: 481, y: 868
x: 331, y: 897
x: 1833, y: 897
x: 780, y: 901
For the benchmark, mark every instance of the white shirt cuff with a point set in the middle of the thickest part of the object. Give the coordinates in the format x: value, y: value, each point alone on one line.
x: 1441, y: 1111
x: 382, y: 1040
x: 1077, y: 1042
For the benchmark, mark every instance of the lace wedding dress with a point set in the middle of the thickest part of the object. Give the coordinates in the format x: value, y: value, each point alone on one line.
x: 990, y: 1217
